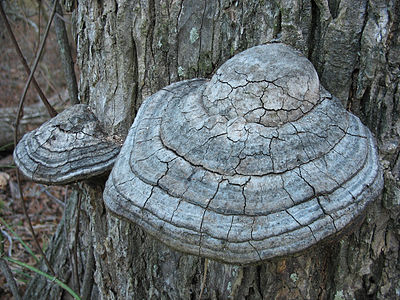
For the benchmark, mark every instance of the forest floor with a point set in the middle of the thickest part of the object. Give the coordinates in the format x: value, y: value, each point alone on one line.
x: 44, y: 203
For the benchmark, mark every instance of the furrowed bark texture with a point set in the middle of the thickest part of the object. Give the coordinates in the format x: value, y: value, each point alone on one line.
x: 128, y: 50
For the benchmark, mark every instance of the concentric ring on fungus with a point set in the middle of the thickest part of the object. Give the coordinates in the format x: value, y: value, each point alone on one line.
x: 258, y: 162
x: 69, y: 147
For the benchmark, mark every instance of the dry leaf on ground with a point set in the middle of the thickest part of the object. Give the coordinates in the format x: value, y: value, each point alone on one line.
x: 4, y: 178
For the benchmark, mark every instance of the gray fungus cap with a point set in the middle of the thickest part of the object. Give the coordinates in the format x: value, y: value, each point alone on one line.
x: 258, y: 162
x: 70, y: 147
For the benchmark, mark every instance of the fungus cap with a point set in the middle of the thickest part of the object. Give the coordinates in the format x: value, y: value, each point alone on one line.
x: 69, y: 147
x: 258, y: 162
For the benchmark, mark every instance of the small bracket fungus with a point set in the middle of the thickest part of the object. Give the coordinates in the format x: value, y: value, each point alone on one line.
x: 70, y: 147
x: 258, y: 162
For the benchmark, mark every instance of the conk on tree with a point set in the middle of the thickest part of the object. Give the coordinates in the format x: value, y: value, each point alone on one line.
x: 258, y: 162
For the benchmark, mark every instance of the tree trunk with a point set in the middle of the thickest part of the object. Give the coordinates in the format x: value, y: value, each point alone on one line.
x: 128, y: 50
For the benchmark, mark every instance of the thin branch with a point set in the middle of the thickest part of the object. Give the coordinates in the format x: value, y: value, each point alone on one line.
x: 5, y: 269
x: 75, y: 246
x: 39, y: 23
x: 73, y: 256
x: 10, y: 241
x: 52, y: 278
x: 87, y: 284
x: 66, y: 58
x: 25, y: 19
x: 63, y: 18
x: 50, y: 109
x: 19, y: 115
x: 29, y: 250
x: 203, y: 282
x: 66, y: 232
x: 43, y: 189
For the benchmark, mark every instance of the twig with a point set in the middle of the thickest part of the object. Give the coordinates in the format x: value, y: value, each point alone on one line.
x: 9, y: 238
x: 39, y: 22
x: 45, y: 76
x: 50, y: 109
x: 52, y: 278
x: 87, y: 284
x: 19, y: 115
x: 65, y: 52
x: 43, y: 189
x: 29, y: 250
x: 71, y: 256
x: 66, y: 232
x: 75, y: 246
x: 65, y: 20
x: 52, y: 112
x: 5, y: 269
x: 25, y: 19
x: 203, y: 282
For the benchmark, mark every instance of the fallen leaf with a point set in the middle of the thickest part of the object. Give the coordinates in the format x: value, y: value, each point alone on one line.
x: 4, y: 178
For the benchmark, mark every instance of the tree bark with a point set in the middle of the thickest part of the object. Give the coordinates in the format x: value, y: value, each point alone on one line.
x: 128, y: 50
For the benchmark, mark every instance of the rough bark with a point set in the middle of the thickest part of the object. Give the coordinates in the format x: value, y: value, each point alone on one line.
x: 128, y: 50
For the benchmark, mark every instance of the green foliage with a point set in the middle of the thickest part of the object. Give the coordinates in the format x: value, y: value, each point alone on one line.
x: 48, y: 276
x: 5, y: 147
x: 26, y: 266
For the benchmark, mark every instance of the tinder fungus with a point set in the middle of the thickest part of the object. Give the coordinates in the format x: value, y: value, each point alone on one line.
x: 70, y: 147
x: 258, y: 162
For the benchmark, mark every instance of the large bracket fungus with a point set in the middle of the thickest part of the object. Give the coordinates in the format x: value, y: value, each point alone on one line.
x: 70, y: 147
x: 258, y: 162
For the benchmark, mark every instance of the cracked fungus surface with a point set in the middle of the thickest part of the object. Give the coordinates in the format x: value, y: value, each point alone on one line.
x: 67, y: 148
x: 258, y: 162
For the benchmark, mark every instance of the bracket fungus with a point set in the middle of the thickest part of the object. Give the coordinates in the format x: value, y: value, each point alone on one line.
x: 258, y: 162
x: 69, y: 147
